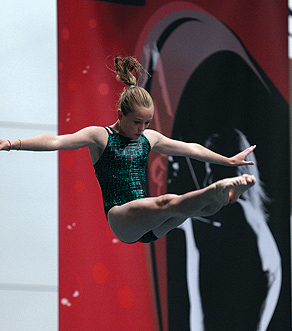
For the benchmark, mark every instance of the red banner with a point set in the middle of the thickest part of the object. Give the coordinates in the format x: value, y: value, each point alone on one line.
x: 104, y: 283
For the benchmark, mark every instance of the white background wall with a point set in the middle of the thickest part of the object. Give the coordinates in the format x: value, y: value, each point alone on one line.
x: 28, y: 181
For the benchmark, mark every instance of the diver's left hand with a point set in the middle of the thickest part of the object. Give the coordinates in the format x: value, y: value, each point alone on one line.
x: 239, y: 159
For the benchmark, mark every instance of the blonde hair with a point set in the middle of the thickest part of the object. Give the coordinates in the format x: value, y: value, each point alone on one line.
x: 133, y: 95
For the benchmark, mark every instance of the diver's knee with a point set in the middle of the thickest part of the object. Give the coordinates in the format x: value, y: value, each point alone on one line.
x: 166, y: 200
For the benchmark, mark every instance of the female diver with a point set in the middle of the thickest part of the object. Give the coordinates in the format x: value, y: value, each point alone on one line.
x: 119, y: 154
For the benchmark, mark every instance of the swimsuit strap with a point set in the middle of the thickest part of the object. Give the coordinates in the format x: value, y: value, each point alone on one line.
x: 109, y: 129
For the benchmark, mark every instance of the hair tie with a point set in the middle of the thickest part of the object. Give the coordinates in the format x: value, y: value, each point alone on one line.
x: 131, y: 86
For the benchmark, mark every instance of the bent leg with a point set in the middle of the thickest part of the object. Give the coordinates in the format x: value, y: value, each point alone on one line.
x: 132, y: 220
x: 228, y: 196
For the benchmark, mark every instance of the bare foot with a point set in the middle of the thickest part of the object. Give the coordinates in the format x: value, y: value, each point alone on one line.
x: 223, y: 188
x: 245, y: 182
x: 229, y: 189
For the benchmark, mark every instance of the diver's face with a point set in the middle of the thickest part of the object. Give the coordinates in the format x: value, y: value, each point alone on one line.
x: 134, y: 124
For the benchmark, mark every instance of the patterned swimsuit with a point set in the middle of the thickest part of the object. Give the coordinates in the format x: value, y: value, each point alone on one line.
x: 120, y: 172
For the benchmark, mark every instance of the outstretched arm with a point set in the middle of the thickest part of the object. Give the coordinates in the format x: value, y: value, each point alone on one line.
x: 164, y: 145
x: 47, y: 142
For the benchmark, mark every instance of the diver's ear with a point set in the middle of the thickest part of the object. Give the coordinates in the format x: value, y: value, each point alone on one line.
x: 120, y: 114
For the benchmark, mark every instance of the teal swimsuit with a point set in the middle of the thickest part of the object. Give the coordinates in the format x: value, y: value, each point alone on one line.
x: 120, y: 172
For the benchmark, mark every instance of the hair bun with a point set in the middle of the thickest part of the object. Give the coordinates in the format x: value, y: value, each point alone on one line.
x: 124, y: 67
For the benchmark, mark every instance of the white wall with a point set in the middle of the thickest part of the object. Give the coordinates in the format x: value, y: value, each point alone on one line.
x: 28, y: 181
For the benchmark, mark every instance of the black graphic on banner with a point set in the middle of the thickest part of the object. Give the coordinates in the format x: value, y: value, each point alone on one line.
x: 229, y: 271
